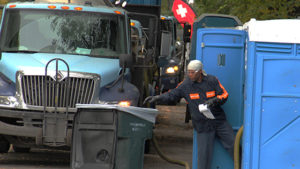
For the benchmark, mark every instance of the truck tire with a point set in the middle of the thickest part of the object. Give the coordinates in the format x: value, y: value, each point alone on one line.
x: 21, y: 149
x: 4, y: 145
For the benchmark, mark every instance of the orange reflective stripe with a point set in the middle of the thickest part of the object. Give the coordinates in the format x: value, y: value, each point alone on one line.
x: 194, y: 96
x: 179, y: 84
x: 210, y: 94
x: 225, y: 94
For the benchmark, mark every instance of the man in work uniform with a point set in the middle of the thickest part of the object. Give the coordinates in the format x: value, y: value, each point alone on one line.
x: 205, y: 95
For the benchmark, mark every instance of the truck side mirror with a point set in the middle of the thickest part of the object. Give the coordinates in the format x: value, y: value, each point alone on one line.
x: 166, y: 42
x: 125, y: 60
x: 187, y: 32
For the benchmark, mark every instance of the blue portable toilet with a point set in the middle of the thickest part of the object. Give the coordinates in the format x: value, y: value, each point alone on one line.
x: 271, y: 137
x: 270, y: 100
x: 222, y: 54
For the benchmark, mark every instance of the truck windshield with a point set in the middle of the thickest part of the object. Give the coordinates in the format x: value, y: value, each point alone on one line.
x: 63, y: 32
x: 166, y: 25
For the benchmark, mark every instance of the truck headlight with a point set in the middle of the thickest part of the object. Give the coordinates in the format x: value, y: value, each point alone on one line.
x: 172, y: 69
x: 123, y: 103
x: 7, y: 87
x: 9, y: 101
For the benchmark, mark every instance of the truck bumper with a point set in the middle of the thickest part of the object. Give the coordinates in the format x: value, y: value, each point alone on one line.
x: 27, y: 123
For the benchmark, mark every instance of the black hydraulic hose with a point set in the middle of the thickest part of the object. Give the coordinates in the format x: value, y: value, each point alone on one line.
x: 163, y: 156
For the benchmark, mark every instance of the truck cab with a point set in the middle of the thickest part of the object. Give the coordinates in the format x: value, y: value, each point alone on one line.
x: 54, y: 56
x: 170, y: 60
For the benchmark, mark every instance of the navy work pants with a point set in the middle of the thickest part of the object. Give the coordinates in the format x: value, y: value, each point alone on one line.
x: 205, y: 142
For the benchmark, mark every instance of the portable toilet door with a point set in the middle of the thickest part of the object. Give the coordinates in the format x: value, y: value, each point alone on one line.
x: 222, y: 53
x: 271, y: 137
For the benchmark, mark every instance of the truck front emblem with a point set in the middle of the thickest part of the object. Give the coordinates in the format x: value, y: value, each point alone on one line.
x: 58, y: 77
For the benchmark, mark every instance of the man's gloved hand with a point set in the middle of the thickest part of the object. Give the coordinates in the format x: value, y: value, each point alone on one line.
x: 212, y: 101
x: 151, y: 99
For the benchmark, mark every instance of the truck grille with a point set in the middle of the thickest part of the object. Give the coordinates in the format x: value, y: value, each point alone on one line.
x: 81, y: 91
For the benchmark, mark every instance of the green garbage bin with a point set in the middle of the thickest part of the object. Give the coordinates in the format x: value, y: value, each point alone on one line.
x: 110, y: 137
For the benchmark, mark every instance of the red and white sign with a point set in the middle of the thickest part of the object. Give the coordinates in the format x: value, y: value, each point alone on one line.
x: 183, y: 12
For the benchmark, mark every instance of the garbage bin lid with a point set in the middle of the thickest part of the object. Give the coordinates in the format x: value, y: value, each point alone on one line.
x: 147, y: 114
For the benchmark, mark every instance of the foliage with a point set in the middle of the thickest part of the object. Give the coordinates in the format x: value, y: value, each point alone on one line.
x: 244, y: 9
x: 166, y: 7
x: 2, y: 2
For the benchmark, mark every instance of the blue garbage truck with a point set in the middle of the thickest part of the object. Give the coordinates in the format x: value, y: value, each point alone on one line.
x: 171, y: 54
x: 56, y: 55
x: 258, y: 64
x: 161, y: 37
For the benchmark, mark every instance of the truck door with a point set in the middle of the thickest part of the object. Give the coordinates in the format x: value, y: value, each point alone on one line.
x: 222, y: 54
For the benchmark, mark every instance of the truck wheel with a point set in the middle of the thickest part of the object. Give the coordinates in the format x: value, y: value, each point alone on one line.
x: 4, y: 145
x: 21, y: 149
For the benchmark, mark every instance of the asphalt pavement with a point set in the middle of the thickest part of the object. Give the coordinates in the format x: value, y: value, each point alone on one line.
x: 174, y: 136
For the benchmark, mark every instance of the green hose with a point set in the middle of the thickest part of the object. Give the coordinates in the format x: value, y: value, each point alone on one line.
x: 237, y: 148
x: 163, y: 156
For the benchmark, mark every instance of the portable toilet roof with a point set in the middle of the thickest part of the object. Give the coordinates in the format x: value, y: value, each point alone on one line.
x: 277, y: 31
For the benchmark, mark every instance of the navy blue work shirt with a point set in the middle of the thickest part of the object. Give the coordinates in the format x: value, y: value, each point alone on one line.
x: 196, y: 93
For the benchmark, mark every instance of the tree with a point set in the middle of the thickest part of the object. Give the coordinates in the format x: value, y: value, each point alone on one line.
x: 3, y: 2
x: 246, y: 9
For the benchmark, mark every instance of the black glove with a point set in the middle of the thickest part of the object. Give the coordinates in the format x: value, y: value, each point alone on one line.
x: 212, y: 101
x: 151, y: 99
